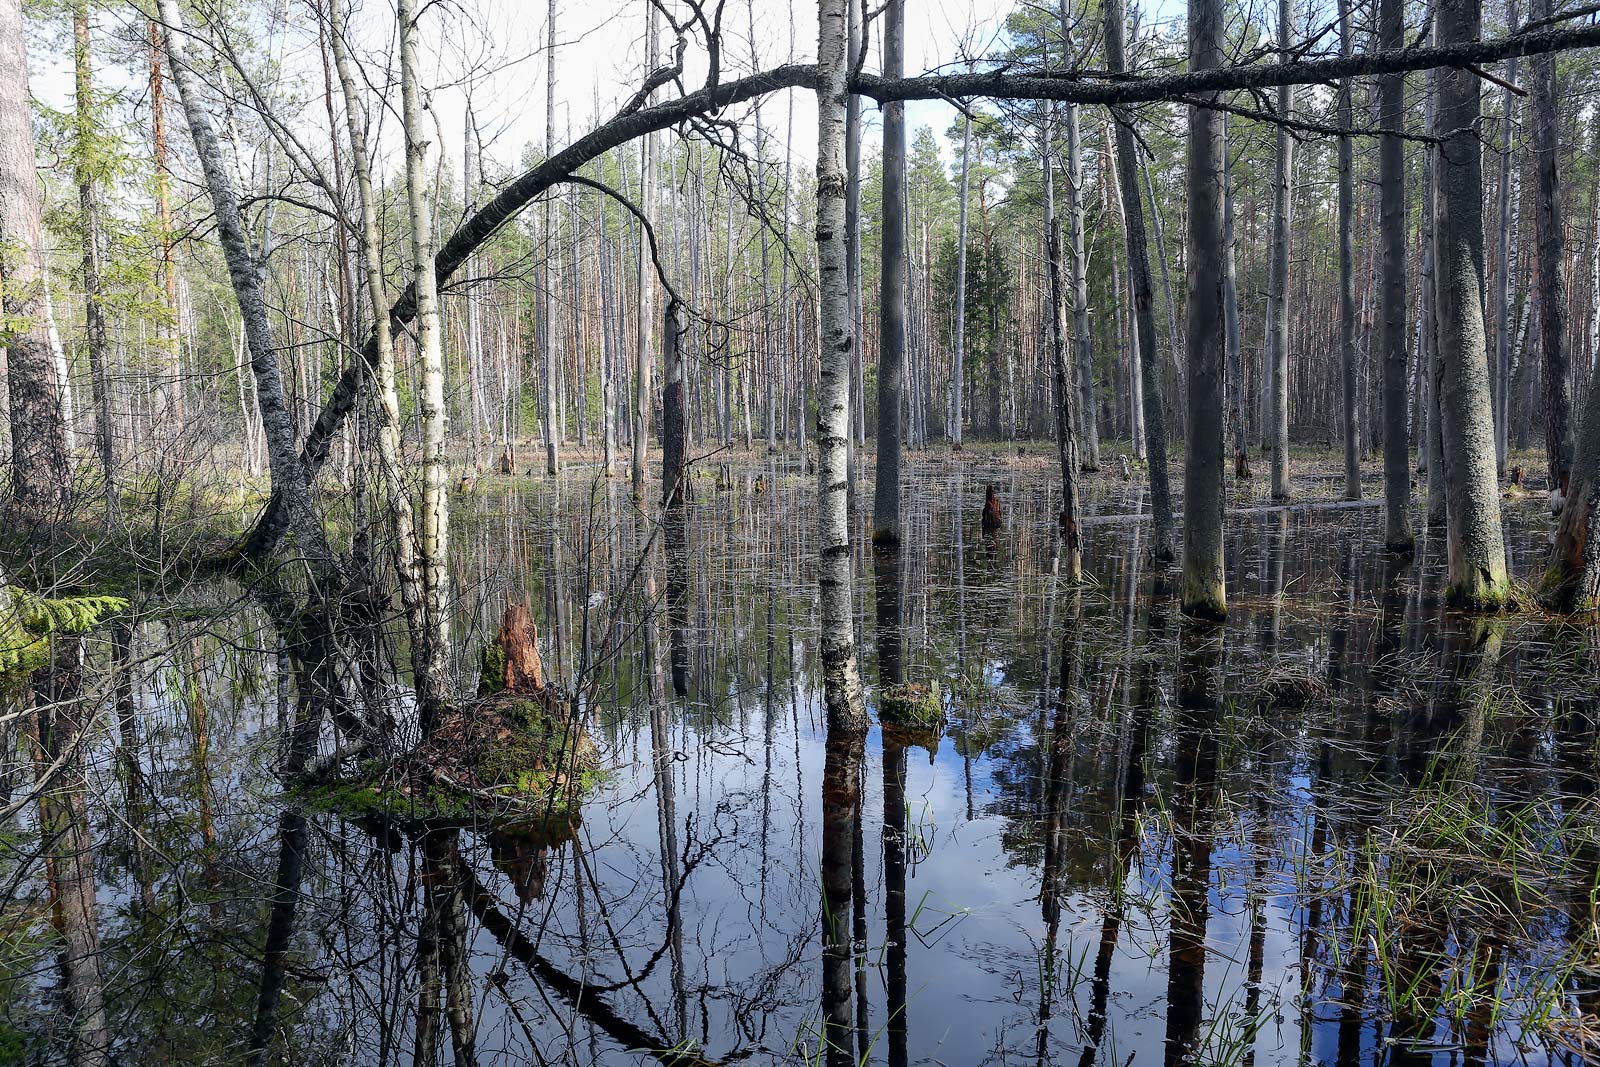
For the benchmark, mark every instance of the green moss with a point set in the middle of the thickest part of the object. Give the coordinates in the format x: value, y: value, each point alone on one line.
x: 492, y: 676
x: 506, y: 757
x: 912, y: 704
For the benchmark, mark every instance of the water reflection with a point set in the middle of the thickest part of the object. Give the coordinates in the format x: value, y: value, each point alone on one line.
x: 1349, y: 829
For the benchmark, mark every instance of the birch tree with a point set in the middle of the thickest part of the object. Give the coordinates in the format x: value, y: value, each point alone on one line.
x: 396, y: 496
x: 291, y: 479
x: 840, y: 672
x: 434, y: 528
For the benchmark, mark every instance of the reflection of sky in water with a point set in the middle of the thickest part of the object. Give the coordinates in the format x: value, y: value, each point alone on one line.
x: 743, y: 976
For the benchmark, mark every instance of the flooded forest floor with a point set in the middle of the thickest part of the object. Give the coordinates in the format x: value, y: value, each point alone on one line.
x: 1351, y: 827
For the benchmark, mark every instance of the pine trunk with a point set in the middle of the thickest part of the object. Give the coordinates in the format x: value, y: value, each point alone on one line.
x: 1475, y: 547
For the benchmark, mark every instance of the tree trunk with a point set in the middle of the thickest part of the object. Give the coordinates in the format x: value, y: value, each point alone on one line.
x: 1504, y: 259
x: 1230, y: 312
x: 1392, y: 297
x: 1475, y: 548
x: 1347, y: 269
x: 1063, y: 389
x: 643, y: 360
x: 41, y: 477
x: 433, y: 537
x: 86, y: 118
x: 840, y: 672
x: 1155, y: 433
x: 396, y: 495
x: 1552, y: 280
x: 290, y: 477
x: 892, y: 291
x: 1087, y: 424
x: 1204, y: 582
x: 550, y: 351
x: 167, y: 328
x: 958, y: 360
x: 1278, y: 305
x: 674, y: 413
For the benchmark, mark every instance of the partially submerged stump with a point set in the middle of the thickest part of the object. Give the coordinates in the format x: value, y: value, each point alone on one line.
x: 912, y: 704
x: 993, y: 518
x: 515, y: 753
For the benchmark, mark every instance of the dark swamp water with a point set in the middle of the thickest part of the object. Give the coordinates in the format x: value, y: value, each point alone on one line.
x: 1350, y: 829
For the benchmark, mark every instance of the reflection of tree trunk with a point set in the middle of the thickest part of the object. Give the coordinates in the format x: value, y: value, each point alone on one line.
x: 1057, y: 795
x: 841, y: 811
x: 63, y: 719
x: 677, y: 547
x: 891, y: 672
x: 1194, y: 779
x: 447, y: 925
x: 667, y: 837
x: 292, y: 827
x: 136, y: 789
x: 425, y: 1047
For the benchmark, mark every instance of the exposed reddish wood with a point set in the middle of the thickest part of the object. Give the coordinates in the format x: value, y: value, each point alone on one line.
x: 519, y: 640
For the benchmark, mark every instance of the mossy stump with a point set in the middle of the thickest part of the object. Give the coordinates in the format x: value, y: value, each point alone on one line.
x: 912, y: 705
x: 516, y: 753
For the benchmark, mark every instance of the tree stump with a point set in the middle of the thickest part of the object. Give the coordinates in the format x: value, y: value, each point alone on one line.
x: 508, y: 461
x: 511, y: 664
x: 993, y: 518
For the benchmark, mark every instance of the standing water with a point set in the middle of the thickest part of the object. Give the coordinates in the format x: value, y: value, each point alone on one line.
x: 1358, y: 830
